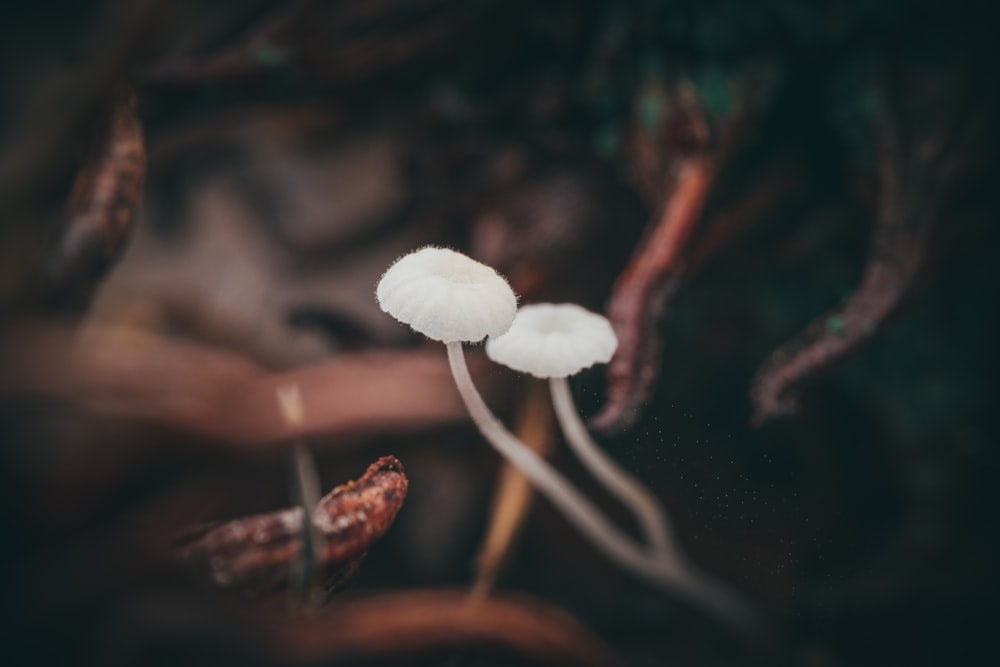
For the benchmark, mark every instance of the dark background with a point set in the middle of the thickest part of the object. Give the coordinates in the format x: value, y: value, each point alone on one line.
x: 301, y: 146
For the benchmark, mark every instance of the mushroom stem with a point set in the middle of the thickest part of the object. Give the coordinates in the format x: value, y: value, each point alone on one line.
x: 577, y: 508
x: 673, y: 574
x: 648, y: 512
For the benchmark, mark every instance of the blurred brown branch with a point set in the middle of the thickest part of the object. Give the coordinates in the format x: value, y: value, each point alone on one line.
x: 929, y: 132
x: 678, y: 148
x: 220, y: 395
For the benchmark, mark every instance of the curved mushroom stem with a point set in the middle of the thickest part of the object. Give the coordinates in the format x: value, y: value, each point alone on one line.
x: 577, y: 508
x: 673, y: 574
x: 647, y: 509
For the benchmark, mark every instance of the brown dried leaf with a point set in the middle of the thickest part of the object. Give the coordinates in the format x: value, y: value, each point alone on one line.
x: 257, y: 553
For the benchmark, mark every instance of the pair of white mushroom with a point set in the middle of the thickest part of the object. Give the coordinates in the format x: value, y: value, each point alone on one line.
x: 452, y: 298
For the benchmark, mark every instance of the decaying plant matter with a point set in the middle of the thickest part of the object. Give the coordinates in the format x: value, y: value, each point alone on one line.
x: 256, y: 553
x: 198, y: 201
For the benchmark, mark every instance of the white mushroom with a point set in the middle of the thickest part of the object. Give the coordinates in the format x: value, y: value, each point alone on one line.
x: 550, y: 340
x: 454, y: 299
x: 447, y: 296
x: 553, y: 341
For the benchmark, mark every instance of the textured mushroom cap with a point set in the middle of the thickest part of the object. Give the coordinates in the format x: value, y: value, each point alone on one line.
x: 550, y: 340
x: 447, y: 296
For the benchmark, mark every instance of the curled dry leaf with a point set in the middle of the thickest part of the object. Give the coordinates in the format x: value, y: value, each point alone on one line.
x: 257, y: 553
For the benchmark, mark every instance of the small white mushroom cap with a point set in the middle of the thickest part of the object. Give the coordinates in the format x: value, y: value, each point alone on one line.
x: 551, y: 340
x: 447, y: 296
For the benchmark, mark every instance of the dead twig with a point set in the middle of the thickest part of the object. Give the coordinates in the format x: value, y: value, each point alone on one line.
x: 921, y: 152
x: 677, y: 152
x: 641, y: 292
